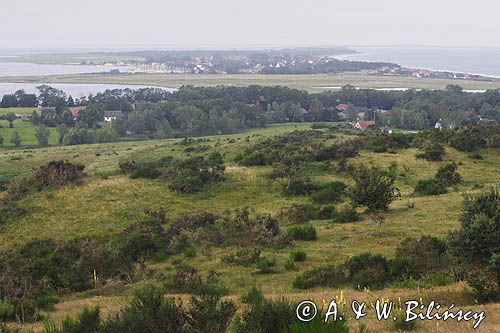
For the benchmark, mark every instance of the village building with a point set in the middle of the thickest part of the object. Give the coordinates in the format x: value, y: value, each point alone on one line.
x: 109, y: 116
x: 342, y: 107
x: 74, y: 113
x: 364, y: 124
x: 48, y: 111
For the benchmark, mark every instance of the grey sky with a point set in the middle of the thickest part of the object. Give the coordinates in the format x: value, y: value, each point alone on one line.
x: 251, y: 23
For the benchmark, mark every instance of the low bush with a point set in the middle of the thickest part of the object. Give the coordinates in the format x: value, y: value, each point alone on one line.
x: 416, y: 258
x: 368, y: 271
x: 298, y: 255
x: 430, y: 187
x: 266, y: 265
x: 242, y: 257
x: 305, y: 232
x: 432, y: 152
x: 324, y: 276
x: 58, y: 173
x: 300, y: 186
x: 401, y: 324
x: 346, y: 214
x: 448, y: 175
x: 299, y: 213
x: 329, y: 193
x: 263, y: 315
x: 6, y: 310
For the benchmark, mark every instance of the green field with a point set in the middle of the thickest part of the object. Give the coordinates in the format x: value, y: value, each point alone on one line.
x: 107, y: 202
x: 311, y: 83
x: 27, y: 132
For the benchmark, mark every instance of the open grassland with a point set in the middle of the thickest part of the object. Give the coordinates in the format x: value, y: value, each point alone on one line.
x: 107, y: 202
x: 311, y: 83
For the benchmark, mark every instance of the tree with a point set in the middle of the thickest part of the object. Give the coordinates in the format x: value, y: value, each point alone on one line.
x: 1, y: 140
x: 91, y: 116
x: 35, y: 118
x: 476, y: 245
x: 62, y: 129
x: 352, y: 113
x: 10, y: 117
x: 42, y: 135
x: 9, y: 101
x: 163, y: 129
x: 25, y: 100
x: 52, y: 97
x: 15, y: 139
x: 374, y: 188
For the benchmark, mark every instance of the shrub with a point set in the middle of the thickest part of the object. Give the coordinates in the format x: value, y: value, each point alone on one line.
x: 447, y: 174
x: 149, y: 311
x: 326, y: 212
x: 243, y: 257
x: 290, y: 265
x: 6, y: 310
x: 262, y: 315
x: 368, y: 271
x: 346, y: 214
x: 467, y: 139
x: 300, y: 213
x: 266, y: 266
x: 401, y: 324
x: 146, y: 170
x: 420, y: 257
x: 58, y: 173
x: 324, y: 276
x: 191, y: 175
x: 299, y: 186
x: 374, y: 188
x: 298, y: 255
x: 475, y: 245
x: 432, y: 152
x: 476, y: 156
x: 303, y: 232
x: 26, y: 311
x: 430, y: 187
x: 329, y: 193
x: 88, y: 321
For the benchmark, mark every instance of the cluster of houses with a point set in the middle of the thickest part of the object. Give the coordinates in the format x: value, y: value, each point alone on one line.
x: 50, y: 111
x: 109, y: 116
x: 360, y: 111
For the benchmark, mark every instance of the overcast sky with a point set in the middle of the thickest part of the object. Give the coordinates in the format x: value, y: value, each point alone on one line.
x: 251, y: 23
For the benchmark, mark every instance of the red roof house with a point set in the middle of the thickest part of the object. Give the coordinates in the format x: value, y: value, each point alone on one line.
x: 342, y: 107
x: 364, y: 124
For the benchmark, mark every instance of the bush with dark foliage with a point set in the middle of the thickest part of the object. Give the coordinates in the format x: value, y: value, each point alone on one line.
x: 374, y: 188
x: 368, y: 271
x: 58, y: 173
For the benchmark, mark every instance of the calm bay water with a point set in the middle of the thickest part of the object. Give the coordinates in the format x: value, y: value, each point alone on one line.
x: 76, y: 90
x: 28, y: 69
x: 485, y: 61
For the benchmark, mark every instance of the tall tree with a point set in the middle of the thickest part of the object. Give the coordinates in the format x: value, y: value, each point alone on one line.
x: 42, y: 135
x: 15, y: 139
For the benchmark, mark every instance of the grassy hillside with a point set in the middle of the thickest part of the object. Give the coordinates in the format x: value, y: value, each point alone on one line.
x: 107, y: 202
